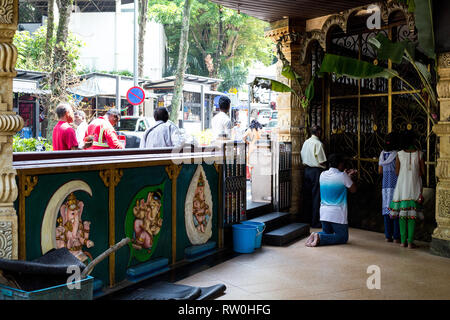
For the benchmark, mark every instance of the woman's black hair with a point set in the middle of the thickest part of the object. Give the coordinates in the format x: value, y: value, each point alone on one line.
x: 255, y: 125
x: 408, y: 140
x: 391, y: 142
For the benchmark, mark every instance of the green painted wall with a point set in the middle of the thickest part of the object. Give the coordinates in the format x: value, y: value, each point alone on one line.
x: 96, y: 210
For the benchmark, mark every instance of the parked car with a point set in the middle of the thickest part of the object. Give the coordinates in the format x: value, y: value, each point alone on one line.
x: 133, y: 128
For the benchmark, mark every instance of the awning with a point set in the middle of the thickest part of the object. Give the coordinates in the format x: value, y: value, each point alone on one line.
x: 27, y: 86
x: 99, y: 85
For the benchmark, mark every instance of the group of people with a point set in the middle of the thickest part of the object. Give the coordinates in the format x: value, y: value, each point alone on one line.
x: 100, y: 133
x: 402, y: 187
x: 325, y: 191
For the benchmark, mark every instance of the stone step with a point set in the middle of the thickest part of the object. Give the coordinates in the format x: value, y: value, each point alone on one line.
x: 273, y: 220
x: 258, y: 210
x: 286, y: 234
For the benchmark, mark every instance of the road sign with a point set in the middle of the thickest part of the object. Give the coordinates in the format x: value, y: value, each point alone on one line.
x: 135, y: 96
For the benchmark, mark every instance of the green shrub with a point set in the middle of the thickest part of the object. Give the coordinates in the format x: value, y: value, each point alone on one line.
x: 30, y: 144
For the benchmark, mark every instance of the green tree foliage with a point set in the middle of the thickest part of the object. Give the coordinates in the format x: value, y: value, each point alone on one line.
x: 30, y: 49
x: 30, y: 144
x: 233, y: 77
x: 220, y: 39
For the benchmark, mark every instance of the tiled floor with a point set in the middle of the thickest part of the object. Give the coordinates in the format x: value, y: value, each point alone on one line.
x: 332, y: 272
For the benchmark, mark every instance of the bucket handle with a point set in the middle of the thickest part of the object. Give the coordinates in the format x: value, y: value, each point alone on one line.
x: 260, y: 232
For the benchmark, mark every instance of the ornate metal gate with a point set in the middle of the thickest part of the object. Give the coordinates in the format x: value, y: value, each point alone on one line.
x: 357, y: 114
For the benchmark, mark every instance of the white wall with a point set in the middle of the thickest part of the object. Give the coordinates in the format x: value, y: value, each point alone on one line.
x: 96, y: 30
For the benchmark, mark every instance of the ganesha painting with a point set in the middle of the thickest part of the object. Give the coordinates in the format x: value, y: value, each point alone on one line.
x: 148, y: 222
x: 198, y: 209
x: 71, y: 232
x: 144, y: 222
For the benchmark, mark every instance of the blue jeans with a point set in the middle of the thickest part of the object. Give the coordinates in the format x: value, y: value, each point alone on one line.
x: 391, y: 227
x: 333, y: 233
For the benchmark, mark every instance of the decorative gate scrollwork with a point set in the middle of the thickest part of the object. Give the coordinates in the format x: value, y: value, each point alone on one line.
x: 357, y: 114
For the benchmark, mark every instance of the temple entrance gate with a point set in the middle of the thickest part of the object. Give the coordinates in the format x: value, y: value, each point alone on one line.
x: 357, y: 114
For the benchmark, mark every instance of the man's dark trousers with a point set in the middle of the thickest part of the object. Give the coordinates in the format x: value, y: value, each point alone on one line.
x: 311, y: 192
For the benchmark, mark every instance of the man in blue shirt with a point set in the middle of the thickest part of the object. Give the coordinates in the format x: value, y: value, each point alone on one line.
x: 333, y: 207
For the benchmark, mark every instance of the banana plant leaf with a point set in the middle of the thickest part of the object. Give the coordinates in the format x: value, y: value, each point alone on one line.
x: 423, y: 16
x: 386, y: 49
x: 309, y: 92
x: 270, y: 84
x: 353, y: 68
x: 289, y: 73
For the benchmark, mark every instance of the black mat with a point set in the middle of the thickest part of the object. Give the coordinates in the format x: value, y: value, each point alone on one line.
x: 43, y: 272
x: 170, y: 291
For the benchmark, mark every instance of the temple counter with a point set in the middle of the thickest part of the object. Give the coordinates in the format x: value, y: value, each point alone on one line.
x: 169, y: 204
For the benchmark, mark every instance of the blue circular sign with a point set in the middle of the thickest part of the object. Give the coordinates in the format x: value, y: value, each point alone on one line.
x: 135, y: 96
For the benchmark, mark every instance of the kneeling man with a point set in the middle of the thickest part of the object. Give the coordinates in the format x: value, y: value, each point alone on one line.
x: 333, y: 206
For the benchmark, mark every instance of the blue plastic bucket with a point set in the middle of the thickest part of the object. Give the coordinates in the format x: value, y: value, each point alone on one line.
x: 244, y: 238
x: 260, y: 229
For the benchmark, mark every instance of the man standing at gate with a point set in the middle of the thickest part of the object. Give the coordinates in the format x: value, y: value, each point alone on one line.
x: 314, y: 160
x: 101, y: 133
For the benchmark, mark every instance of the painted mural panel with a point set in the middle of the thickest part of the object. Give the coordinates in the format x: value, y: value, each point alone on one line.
x: 144, y: 220
x: 62, y: 224
x: 198, y: 208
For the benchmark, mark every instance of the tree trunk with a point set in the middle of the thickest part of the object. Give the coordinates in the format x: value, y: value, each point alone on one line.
x: 143, y: 8
x: 59, y: 81
x: 182, y: 57
x: 48, y: 40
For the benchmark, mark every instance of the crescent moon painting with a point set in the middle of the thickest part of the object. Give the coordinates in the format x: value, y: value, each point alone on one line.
x: 198, y: 209
x: 62, y: 225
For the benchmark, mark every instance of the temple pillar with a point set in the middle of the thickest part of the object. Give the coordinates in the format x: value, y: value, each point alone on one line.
x: 291, y: 115
x: 10, y: 123
x: 440, y: 243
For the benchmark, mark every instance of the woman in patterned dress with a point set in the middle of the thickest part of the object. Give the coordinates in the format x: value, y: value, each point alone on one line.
x: 407, y: 201
x: 386, y: 167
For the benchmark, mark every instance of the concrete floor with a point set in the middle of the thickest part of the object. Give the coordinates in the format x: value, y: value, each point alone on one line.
x: 297, y: 272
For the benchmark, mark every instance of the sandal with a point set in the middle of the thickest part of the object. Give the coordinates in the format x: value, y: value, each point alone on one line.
x: 412, y: 246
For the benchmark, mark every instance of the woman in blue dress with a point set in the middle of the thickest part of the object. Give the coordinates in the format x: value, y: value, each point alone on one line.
x: 386, y: 167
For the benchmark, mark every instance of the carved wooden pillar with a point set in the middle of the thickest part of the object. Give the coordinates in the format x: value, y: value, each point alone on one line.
x: 10, y: 123
x: 291, y: 116
x: 441, y: 237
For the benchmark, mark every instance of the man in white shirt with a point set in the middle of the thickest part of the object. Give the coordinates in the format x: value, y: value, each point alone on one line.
x: 333, y: 208
x: 164, y: 133
x: 314, y: 160
x: 80, y: 121
x: 221, y: 122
